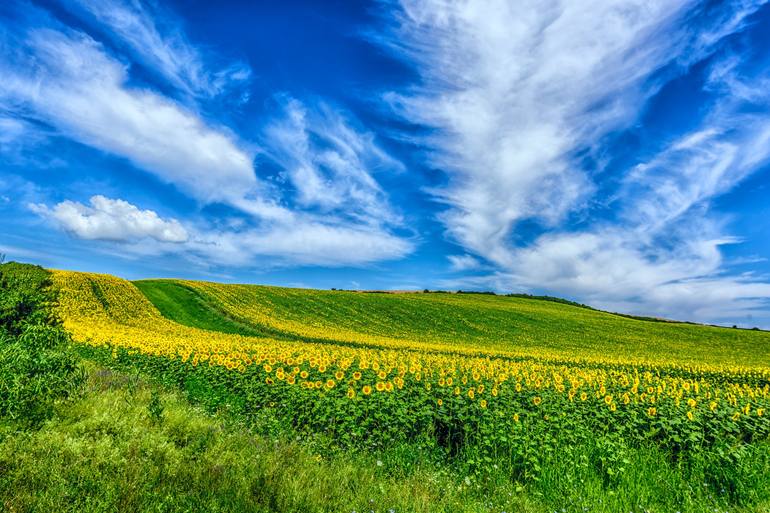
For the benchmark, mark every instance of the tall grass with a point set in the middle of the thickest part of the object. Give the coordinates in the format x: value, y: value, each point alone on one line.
x: 131, y: 445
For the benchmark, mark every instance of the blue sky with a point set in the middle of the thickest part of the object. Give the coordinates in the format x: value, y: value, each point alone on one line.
x: 612, y: 152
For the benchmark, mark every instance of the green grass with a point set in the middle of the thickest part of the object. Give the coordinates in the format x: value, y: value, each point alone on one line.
x: 186, y: 306
x: 112, y: 452
x: 131, y: 445
x: 480, y: 321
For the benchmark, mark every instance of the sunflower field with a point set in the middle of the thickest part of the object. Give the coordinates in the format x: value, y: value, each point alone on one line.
x: 498, y: 404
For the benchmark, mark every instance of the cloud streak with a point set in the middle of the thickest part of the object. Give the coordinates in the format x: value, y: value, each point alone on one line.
x: 156, y: 39
x: 76, y: 87
x: 65, y: 79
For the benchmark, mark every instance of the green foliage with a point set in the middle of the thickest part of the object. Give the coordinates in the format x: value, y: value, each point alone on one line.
x: 38, y: 368
x: 105, y: 454
x: 155, y: 408
x: 25, y: 297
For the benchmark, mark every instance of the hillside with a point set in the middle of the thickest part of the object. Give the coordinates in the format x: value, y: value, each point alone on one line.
x: 488, y: 324
x: 513, y: 398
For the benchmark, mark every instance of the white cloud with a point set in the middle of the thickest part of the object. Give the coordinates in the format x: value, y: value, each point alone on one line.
x: 304, y: 242
x: 155, y: 39
x: 662, y: 255
x: 72, y: 84
x: 11, y: 130
x: 112, y: 220
x: 342, y: 219
x: 462, y: 263
x: 329, y: 163
x: 514, y: 91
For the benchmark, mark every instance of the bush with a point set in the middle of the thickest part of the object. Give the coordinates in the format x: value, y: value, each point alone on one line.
x: 38, y: 367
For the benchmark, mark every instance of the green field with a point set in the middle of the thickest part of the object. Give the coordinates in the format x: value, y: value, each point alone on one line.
x: 478, y: 321
x: 176, y: 395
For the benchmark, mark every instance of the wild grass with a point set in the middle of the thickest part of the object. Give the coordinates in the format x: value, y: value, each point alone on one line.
x: 131, y: 445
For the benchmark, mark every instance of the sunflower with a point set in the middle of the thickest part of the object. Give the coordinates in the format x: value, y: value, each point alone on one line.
x: 483, y: 403
x: 330, y: 383
x: 366, y: 390
x: 380, y: 386
x: 440, y: 402
x: 351, y: 393
x: 537, y: 400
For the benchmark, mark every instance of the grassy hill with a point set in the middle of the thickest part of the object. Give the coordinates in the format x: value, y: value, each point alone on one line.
x: 508, y: 403
x: 487, y: 323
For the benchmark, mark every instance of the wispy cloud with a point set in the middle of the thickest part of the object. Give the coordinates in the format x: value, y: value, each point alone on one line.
x: 73, y: 85
x: 464, y: 263
x: 517, y: 94
x: 156, y: 39
x: 335, y: 213
x: 329, y: 163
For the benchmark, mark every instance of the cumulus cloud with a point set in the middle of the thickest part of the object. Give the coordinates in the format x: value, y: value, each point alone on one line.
x: 303, y: 242
x: 518, y: 95
x: 113, y: 220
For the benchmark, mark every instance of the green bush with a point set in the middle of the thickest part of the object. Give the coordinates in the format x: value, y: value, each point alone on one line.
x: 38, y: 367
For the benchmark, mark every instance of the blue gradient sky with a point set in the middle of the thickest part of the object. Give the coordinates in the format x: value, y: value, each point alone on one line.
x: 611, y: 152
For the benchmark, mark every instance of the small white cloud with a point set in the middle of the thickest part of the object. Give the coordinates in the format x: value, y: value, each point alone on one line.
x: 11, y: 129
x: 112, y: 220
x: 462, y: 263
